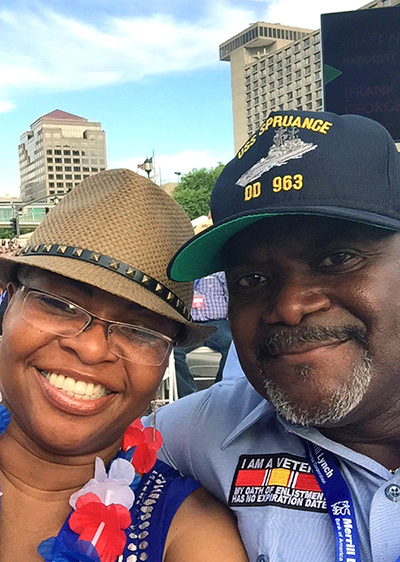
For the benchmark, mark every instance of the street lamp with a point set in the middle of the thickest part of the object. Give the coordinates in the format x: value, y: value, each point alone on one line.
x: 179, y: 175
x: 148, y: 166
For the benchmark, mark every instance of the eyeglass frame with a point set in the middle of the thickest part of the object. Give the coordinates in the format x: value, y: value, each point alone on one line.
x: 172, y: 343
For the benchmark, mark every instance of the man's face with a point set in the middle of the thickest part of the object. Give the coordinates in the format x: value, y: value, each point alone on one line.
x: 315, y: 315
x: 35, y: 363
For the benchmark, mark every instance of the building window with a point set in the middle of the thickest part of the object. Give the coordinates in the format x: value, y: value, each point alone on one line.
x: 50, y: 160
x: 49, y: 151
x: 77, y: 168
x: 51, y: 176
x: 68, y: 176
x: 58, y: 160
x: 58, y: 152
x: 49, y: 168
x: 67, y: 160
x: 67, y: 152
x: 68, y: 168
x: 77, y: 177
x: 75, y: 152
x: 51, y: 184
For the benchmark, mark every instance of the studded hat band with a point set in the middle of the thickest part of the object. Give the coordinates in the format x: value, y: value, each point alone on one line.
x: 124, y: 269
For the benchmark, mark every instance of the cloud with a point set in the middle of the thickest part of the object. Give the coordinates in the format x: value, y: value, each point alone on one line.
x: 64, y: 53
x: 6, y: 106
x: 166, y: 165
x: 307, y: 12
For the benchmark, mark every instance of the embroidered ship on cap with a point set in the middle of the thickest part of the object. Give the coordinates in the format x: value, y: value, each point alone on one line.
x: 286, y: 146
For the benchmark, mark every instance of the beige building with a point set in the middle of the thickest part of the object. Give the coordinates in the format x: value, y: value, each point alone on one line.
x: 275, y: 67
x: 58, y: 152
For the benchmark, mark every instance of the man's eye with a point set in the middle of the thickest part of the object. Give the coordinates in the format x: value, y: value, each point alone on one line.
x: 338, y: 259
x: 251, y: 281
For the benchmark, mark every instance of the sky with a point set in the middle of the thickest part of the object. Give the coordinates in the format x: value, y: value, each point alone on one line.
x: 148, y: 71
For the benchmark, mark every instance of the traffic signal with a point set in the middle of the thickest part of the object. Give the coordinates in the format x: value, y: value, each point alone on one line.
x: 13, y: 224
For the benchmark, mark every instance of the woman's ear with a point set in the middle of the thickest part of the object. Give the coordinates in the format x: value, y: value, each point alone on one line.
x: 12, y: 287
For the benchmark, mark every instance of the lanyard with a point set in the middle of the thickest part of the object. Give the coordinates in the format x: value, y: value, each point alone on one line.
x: 339, y: 502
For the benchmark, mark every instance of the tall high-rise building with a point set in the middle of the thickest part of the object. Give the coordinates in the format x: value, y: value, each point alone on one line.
x: 275, y: 67
x: 58, y: 152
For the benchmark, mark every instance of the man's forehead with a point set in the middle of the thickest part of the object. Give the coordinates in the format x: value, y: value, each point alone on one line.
x: 304, y: 229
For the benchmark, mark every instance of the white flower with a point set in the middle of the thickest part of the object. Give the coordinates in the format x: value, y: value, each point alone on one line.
x: 111, y: 488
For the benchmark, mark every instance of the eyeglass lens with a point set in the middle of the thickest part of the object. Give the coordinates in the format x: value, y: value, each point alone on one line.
x: 60, y: 317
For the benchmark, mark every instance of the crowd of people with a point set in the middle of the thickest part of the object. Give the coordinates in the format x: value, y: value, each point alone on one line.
x: 9, y: 245
x: 296, y: 456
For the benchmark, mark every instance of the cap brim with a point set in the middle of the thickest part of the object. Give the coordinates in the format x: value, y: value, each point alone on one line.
x: 202, y: 254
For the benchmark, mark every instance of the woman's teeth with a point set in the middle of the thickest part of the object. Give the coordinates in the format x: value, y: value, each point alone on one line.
x: 74, y: 388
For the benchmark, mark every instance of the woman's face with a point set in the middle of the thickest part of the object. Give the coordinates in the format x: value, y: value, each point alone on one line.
x: 72, y: 395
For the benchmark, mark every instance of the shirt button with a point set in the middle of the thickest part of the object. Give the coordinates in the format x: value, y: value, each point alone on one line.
x: 393, y: 493
x: 262, y: 558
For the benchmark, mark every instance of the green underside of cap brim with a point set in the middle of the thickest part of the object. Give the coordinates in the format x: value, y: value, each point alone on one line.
x: 202, y: 255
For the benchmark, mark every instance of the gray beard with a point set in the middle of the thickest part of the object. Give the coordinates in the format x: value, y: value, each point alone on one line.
x: 341, y: 401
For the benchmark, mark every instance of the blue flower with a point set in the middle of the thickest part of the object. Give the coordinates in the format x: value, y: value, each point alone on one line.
x: 67, y: 548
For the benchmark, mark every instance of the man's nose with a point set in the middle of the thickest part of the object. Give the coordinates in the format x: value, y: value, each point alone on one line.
x: 295, y: 298
x: 91, y: 345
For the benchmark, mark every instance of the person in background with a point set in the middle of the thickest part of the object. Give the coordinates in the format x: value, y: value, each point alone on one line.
x: 306, y: 450
x: 90, y: 323
x: 209, y: 308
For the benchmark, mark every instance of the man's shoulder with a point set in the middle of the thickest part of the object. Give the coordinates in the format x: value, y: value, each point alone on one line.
x: 230, y: 401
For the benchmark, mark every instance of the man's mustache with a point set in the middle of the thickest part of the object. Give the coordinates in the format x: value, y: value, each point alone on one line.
x: 291, y: 338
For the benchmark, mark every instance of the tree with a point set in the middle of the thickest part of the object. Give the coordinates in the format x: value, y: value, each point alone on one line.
x: 194, y: 190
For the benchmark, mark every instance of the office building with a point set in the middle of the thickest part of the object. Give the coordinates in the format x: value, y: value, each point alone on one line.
x: 59, y: 151
x: 275, y: 67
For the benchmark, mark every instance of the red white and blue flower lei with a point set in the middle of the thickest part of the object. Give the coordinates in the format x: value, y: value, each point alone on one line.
x: 95, y: 530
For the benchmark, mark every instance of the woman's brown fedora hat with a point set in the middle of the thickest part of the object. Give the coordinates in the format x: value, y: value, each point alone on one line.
x: 117, y: 231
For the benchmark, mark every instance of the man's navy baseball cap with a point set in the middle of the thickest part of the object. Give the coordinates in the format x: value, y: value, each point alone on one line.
x: 299, y: 162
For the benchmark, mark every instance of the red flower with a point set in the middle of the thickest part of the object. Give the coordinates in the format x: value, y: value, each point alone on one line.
x: 90, y: 514
x: 147, y: 442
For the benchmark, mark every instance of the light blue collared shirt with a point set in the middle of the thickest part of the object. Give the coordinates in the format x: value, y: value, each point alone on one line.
x: 234, y: 443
